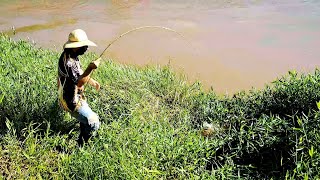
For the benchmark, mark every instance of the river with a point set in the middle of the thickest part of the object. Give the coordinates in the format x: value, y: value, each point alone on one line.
x: 228, y: 45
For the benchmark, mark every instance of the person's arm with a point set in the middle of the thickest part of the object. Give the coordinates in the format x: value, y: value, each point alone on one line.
x: 85, y: 77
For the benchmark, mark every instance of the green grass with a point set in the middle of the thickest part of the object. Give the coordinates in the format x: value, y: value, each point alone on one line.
x: 151, y: 124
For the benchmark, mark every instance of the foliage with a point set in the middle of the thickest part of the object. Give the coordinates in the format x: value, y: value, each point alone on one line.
x: 151, y: 124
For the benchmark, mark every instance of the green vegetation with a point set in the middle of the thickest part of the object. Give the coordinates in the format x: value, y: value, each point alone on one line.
x: 152, y: 122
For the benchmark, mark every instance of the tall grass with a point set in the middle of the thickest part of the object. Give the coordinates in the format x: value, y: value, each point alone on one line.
x: 151, y: 124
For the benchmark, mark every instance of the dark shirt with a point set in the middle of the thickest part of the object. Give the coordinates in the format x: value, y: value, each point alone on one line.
x: 69, y: 71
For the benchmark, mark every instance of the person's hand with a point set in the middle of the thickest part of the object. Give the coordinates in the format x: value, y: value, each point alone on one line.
x: 81, y: 89
x: 95, y: 64
x: 95, y: 84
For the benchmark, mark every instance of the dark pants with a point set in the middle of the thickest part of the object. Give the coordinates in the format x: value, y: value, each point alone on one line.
x: 85, y: 133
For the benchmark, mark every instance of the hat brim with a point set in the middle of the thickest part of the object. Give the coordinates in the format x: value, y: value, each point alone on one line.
x: 70, y: 44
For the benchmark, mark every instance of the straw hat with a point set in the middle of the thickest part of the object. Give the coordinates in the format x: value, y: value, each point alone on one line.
x: 78, y: 38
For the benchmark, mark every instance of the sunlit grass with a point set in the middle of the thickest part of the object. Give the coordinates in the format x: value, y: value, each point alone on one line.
x: 151, y: 124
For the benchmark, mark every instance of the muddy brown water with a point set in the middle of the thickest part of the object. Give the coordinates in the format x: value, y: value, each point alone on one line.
x: 235, y: 44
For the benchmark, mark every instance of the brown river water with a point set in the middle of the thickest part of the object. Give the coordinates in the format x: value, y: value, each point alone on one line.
x: 228, y: 45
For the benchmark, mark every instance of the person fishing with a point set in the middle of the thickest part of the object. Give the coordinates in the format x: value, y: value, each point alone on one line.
x: 71, y: 81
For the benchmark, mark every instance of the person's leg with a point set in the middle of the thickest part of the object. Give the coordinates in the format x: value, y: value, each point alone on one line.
x: 85, y: 133
x: 89, y: 121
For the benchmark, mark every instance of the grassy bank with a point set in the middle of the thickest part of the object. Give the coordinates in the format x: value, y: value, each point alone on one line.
x: 151, y: 125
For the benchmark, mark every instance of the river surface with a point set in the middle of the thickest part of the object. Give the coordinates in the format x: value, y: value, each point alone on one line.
x: 229, y: 45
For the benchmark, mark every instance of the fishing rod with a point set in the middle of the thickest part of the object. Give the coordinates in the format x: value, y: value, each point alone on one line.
x: 99, y: 60
x: 139, y: 28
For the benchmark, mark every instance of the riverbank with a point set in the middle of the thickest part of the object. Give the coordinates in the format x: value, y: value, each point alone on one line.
x: 152, y: 123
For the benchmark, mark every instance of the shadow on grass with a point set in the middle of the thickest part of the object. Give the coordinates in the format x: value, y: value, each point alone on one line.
x: 272, y: 161
x: 58, y: 124
x: 51, y: 115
